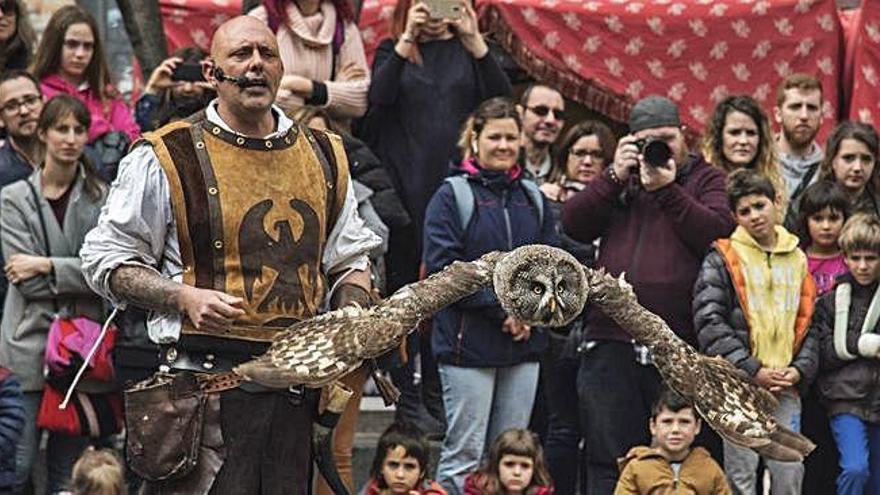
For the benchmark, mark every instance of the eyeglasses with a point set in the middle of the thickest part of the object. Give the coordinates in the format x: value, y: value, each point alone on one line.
x: 594, y: 154
x: 544, y: 110
x: 8, y: 7
x: 13, y: 107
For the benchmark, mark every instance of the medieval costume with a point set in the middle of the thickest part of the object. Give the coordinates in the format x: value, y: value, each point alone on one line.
x: 266, y: 220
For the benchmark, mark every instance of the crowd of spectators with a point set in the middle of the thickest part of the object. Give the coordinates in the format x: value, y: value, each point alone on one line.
x: 760, y: 248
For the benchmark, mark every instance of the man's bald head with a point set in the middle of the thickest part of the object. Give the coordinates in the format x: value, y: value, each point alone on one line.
x: 245, y: 49
x: 239, y: 28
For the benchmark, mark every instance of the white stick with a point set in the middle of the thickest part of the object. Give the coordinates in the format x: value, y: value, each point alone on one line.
x: 92, y: 351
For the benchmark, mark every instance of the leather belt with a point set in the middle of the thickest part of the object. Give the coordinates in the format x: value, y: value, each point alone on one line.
x: 214, y: 372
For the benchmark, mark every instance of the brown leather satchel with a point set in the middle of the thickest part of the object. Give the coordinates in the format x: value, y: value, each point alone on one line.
x: 164, y: 418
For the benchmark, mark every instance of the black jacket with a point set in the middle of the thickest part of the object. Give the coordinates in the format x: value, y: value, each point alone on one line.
x: 847, y: 386
x: 722, y: 327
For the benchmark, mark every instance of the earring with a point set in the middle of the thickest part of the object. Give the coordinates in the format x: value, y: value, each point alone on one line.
x: 474, y: 147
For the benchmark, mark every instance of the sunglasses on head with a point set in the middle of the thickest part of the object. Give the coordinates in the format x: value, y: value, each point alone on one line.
x: 8, y: 6
x: 544, y: 110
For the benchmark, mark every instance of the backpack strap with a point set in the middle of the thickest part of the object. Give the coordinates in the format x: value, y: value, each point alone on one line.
x: 536, y: 197
x: 464, y: 199
x: 805, y: 180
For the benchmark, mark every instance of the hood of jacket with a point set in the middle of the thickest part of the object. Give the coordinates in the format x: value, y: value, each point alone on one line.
x: 786, y: 242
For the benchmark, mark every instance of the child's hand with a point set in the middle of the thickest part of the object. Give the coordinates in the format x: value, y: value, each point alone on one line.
x: 790, y: 375
x: 771, y: 379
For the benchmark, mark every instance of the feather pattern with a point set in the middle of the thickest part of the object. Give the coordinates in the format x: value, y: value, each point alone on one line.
x: 736, y: 408
x: 318, y: 351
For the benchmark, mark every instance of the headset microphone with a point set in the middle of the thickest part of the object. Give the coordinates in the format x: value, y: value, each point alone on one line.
x: 221, y: 76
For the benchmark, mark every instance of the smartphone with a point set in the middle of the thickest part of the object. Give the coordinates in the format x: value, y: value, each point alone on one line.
x: 188, y: 72
x: 444, y: 9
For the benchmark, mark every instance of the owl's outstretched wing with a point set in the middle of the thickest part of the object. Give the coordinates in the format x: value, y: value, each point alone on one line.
x: 736, y: 408
x: 322, y: 349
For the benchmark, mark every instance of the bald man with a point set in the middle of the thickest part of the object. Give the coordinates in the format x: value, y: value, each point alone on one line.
x: 230, y: 226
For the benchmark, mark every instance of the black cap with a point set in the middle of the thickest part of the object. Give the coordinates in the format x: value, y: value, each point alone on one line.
x: 653, y: 111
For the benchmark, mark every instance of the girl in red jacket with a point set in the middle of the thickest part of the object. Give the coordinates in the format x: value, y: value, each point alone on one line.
x: 515, y: 467
x: 400, y: 466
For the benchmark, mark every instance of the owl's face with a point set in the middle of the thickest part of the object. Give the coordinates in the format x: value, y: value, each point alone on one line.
x: 541, y: 286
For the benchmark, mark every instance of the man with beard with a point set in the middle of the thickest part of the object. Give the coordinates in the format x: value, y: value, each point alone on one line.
x: 656, y: 223
x: 229, y: 226
x: 170, y: 95
x: 20, y: 105
x: 798, y: 112
x: 542, y: 110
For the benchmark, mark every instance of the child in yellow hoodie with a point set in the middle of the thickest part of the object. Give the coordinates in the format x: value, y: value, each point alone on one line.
x: 753, y: 302
x: 670, y: 465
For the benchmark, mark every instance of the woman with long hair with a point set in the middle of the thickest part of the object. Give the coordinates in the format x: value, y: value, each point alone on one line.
x: 43, y: 269
x: 17, y: 38
x: 488, y: 361
x: 324, y: 60
x: 70, y: 60
x: 851, y: 161
x: 426, y: 79
x: 739, y: 136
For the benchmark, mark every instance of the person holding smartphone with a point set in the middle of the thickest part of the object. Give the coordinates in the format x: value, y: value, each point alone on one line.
x: 426, y: 79
x: 176, y: 89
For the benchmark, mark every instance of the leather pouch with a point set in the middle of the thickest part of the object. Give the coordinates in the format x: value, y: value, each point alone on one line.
x: 164, y: 418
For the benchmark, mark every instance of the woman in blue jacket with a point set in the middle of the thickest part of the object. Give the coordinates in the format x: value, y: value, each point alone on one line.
x: 488, y: 361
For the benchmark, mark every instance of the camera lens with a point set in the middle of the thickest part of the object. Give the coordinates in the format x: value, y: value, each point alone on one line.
x: 657, y: 153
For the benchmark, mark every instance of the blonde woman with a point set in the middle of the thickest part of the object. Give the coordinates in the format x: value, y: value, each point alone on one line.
x: 739, y: 136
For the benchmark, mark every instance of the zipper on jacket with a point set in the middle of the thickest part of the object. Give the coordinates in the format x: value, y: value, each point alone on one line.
x: 504, y: 204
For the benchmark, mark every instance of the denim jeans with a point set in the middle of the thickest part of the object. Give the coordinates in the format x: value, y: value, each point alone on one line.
x: 62, y: 451
x: 859, y: 445
x: 741, y: 463
x: 480, y: 404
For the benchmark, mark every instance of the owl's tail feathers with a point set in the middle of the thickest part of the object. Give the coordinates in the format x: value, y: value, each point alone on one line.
x: 787, y: 445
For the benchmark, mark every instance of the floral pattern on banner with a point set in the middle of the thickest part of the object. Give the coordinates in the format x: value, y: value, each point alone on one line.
x: 607, y: 54
x: 865, y: 100
x: 193, y: 22
x: 375, y: 24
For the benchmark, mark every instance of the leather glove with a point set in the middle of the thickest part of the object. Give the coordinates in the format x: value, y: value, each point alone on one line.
x: 349, y: 294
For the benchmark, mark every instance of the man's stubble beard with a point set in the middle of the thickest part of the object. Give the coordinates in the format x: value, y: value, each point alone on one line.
x: 792, y: 138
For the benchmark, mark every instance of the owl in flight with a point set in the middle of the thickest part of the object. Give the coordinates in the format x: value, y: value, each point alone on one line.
x: 541, y: 286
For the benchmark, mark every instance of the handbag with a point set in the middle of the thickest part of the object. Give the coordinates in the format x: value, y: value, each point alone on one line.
x: 77, y: 344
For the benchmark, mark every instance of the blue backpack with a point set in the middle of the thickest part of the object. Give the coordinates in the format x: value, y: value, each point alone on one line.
x: 466, y: 202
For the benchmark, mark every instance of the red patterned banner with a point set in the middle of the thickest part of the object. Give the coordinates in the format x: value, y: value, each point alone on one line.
x: 193, y: 22
x: 606, y: 54
x: 865, y: 100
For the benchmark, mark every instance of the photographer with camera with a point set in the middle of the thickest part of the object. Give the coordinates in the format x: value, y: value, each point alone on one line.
x: 656, y: 208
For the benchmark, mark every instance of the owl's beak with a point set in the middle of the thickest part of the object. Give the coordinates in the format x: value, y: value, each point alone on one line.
x: 552, y: 305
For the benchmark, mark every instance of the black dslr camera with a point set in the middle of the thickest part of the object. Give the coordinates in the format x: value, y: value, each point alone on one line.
x: 655, y: 151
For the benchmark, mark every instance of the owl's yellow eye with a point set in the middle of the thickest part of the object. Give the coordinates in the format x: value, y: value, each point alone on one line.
x: 560, y: 287
x: 537, y: 288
